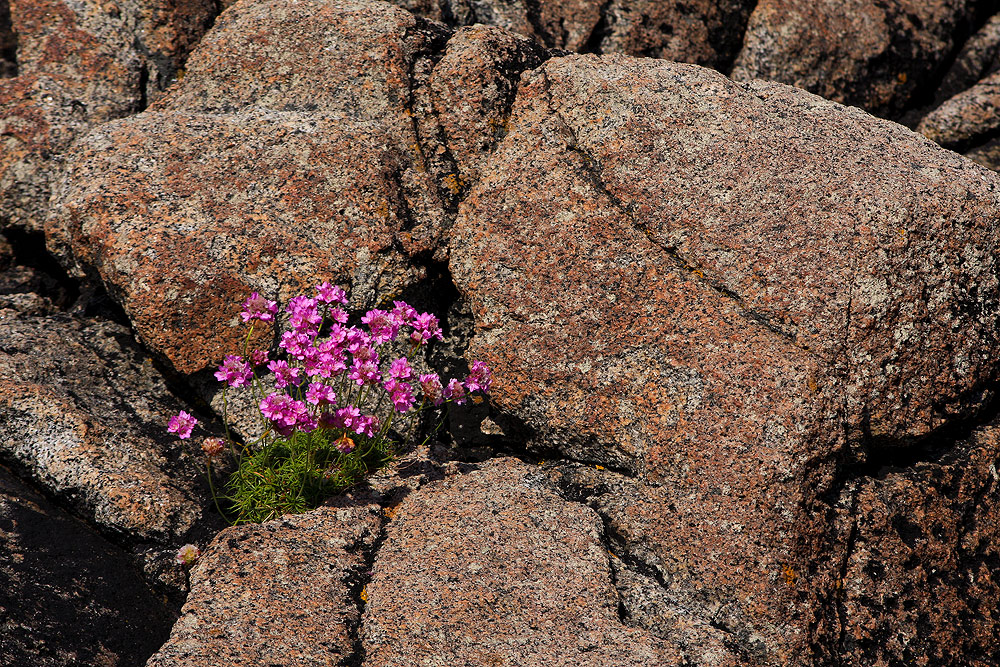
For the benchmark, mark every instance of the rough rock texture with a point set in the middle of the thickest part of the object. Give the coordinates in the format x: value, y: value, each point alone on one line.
x: 68, y: 597
x: 473, y: 88
x: 968, y: 119
x: 705, y: 32
x: 979, y: 57
x: 877, y: 55
x: 726, y: 334
x: 921, y: 581
x: 303, y: 145
x: 76, y: 65
x: 284, y: 592
x: 493, y: 568
x: 85, y: 413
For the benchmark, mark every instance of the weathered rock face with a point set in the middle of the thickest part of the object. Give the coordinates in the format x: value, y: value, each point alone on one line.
x: 493, y: 567
x: 703, y: 32
x: 473, y: 88
x: 969, y: 119
x: 876, y: 55
x: 67, y: 596
x: 301, y: 130
x: 921, y: 580
x: 76, y: 65
x: 649, y: 303
x: 84, y: 412
x: 979, y: 57
x: 284, y: 592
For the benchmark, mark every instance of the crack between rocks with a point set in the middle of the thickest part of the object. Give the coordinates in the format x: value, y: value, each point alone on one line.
x: 600, y: 31
x: 533, y: 13
x: 839, y: 597
x: 434, y: 51
x: 358, y: 588
x: 615, y: 544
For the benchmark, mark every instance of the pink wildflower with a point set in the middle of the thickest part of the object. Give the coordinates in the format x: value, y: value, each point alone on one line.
x: 320, y: 394
x: 327, y: 293
x: 365, y: 372
x: 187, y: 555
x: 258, y: 357
x: 258, y: 308
x: 303, y: 314
x: 366, y: 425
x: 274, y: 406
x: 345, y: 416
x: 297, y: 342
x: 383, y: 326
x: 480, y: 378
x: 400, y: 369
x: 283, y: 373
x: 400, y: 393
x: 356, y: 339
x: 234, y: 371
x: 425, y: 327
x: 338, y: 315
x: 455, y: 391
x: 404, y: 312
x: 430, y: 384
x: 182, y: 424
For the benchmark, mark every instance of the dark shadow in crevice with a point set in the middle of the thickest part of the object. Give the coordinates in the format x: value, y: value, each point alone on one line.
x: 879, y: 457
x: 926, y: 97
x: 600, y: 32
x: 8, y: 43
x: 53, y: 282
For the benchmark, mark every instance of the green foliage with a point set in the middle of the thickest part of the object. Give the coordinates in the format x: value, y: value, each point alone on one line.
x: 293, y: 475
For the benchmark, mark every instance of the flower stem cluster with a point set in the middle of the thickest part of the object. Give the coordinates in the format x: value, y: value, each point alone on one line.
x: 335, y: 398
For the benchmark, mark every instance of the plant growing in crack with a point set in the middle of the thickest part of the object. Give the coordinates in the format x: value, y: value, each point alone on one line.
x: 339, y: 399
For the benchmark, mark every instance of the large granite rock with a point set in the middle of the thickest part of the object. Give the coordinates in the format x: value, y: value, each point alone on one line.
x: 304, y: 144
x: 85, y: 412
x: 494, y: 568
x: 285, y: 592
x: 72, y: 66
x: 730, y: 336
x: 881, y: 56
x: 705, y: 32
x: 67, y: 596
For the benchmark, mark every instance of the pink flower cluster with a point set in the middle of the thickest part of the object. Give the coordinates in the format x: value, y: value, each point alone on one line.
x: 329, y: 369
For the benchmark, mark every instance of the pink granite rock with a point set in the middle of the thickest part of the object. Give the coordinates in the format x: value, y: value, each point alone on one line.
x: 494, y: 568
x: 85, y: 413
x: 726, y: 333
x: 303, y: 145
x: 880, y: 56
x: 283, y: 592
x: 77, y: 65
